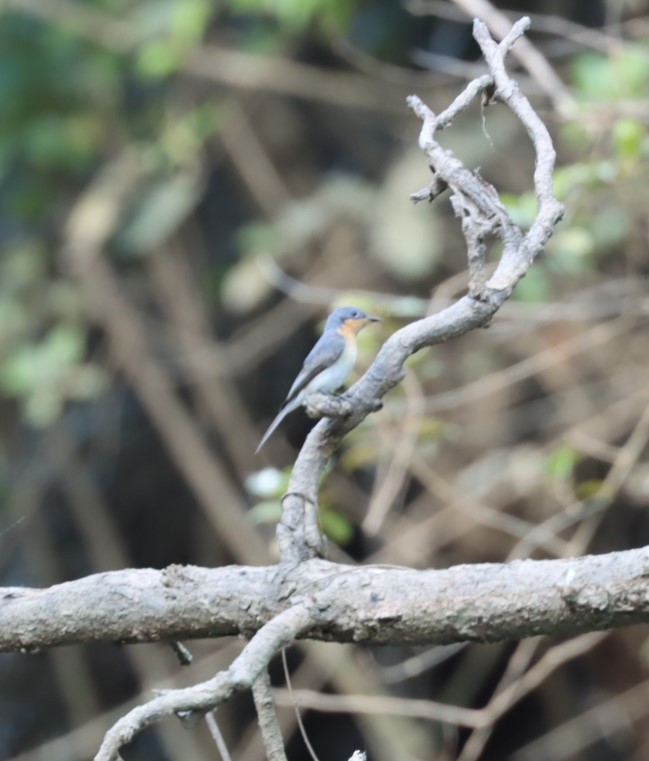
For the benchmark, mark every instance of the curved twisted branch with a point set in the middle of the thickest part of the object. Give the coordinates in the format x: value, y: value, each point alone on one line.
x: 476, y: 202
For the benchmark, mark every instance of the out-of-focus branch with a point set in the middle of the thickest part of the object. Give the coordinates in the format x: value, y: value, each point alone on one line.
x: 432, y: 711
x: 95, y: 217
x: 483, y: 216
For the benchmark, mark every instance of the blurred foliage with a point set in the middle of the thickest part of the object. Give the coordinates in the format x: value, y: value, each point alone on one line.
x: 71, y: 99
x: 270, y: 484
x: 624, y: 74
x: 600, y: 187
x: 69, y: 102
x: 562, y: 462
x: 80, y: 89
x: 174, y: 28
x: 331, y: 16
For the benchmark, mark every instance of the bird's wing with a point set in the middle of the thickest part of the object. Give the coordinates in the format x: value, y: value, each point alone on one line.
x: 326, y: 351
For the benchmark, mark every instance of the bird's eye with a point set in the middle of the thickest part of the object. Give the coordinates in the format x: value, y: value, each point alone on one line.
x: 355, y: 313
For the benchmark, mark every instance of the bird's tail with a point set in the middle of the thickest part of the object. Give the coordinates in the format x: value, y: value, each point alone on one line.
x: 278, y: 419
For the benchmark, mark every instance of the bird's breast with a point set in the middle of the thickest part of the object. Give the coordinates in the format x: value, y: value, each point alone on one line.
x: 334, y: 376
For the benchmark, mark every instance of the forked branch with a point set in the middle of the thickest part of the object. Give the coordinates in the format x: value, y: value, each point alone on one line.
x: 288, y: 602
x: 483, y: 216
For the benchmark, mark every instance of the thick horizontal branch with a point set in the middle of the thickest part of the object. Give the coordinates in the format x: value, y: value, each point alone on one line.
x: 373, y: 605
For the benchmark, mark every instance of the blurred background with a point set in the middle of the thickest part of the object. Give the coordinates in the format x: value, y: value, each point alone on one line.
x: 186, y: 190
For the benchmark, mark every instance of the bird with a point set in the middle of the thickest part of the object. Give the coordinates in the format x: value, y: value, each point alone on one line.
x: 327, y: 365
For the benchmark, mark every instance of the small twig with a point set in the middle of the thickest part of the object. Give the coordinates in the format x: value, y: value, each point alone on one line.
x: 207, y: 695
x: 217, y: 736
x: 428, y: 710
x: 298, y: 715
x: 536, y: 64
x: 268, y: 725
x: 181, y: 652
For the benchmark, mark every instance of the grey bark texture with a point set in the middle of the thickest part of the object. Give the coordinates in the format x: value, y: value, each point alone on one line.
x: 372, y: 605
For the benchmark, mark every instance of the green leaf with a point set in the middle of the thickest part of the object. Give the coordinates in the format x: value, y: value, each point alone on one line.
x: 43, y: 408
x: 336, y: 526
x: 23, y: 264
x: 534, y: 287
x: 266, y: 512
x: 34, y: 366
x: 88, y: 382
x: 406, y: 239
x: 20, y: 370
x: 64, y: 345
x: 190, y: 19
x: 522, y: 208
x: 628, y: 137
x: 591, y: 489
x: 159, y: 59
x: 571, y: 250
x: 562, y: 461
x: 610, y: 226
x: 620, y: 75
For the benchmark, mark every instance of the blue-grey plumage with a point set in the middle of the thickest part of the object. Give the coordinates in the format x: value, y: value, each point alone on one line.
x: 327, y: 365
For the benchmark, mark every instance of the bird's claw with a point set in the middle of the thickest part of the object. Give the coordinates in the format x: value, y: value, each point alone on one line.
x: 327, y: 405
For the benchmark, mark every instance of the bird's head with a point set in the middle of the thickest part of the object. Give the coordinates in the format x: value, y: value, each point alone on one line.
x: 349, y: 318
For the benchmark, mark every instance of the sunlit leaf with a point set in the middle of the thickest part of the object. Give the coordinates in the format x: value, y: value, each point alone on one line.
x: 336, y: 526
x: 591, y: 489
x: 266, y: 512
x: 562, y: 461
x: 522, y: 208
x: 535, y: 286
x: 622, y: 74
x: 628, y: 137
x: 571, y: 250
x: 159, y: 59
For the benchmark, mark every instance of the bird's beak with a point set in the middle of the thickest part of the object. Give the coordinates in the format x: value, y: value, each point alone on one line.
x: 374, y: 319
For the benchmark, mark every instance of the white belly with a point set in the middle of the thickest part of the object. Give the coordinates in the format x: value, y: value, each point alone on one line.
x: 333, y: 377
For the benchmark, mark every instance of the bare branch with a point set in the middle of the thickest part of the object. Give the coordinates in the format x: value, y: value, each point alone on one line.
x: 483, y: 216
x: 371, y: 605
x: 205, y: 696
x: 268, y: 724
x: 217, y: 736
x: 306, y: 596
x: 478, y: 718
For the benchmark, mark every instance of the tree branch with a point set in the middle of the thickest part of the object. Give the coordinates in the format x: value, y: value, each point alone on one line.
x: 305, y: 596
x: 205, y: 696
x: 482, y: 214
x: 372, y: 605
x: 262, y: 694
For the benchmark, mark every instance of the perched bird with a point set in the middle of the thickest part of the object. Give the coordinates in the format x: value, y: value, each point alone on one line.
x: 327, y: 365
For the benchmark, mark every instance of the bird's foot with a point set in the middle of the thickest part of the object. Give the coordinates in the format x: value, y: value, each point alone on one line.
x: 327, y: 405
